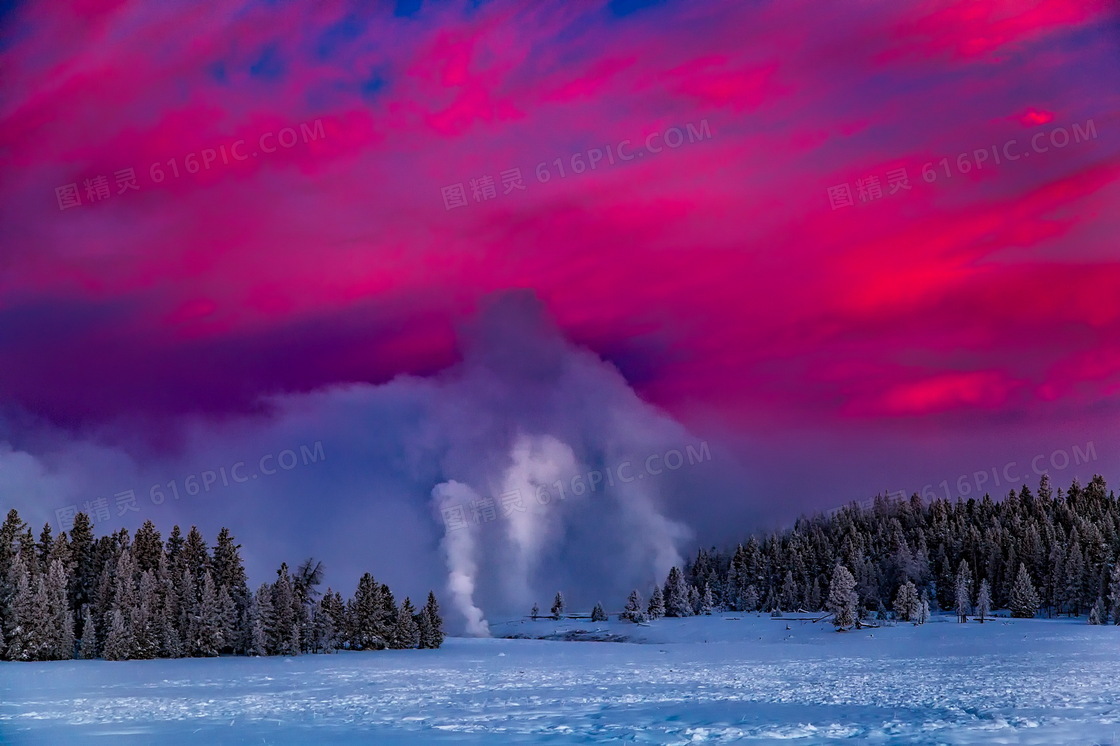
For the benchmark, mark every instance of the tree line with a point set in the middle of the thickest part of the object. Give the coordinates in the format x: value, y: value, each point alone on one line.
x: 121, y: 597
x: 1045, y: 551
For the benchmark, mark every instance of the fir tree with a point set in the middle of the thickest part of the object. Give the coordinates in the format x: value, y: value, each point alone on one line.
x: 1097, y: 613
x: 963, y: 592
x: 1023, y: 600
x: 118, y: 640
x: 656, y: 608
x: 983, y: 601
x: 87, y: 648
x: 676, y: 595
x: 406, y: 632
x: 842, y: 598
x: 431, y: 631
x: 260, y: 620
x: 597, y: 613
x: 147, y: 548
x: 26, y: 638
x: 906, y: 602
x: 1114, y: 593
x: 83, y: 580
x: 285, y: 638
x: 558, y: 605
x: 364, y: 612
x: 535, y: 611
x: 706, y: 601
x: 634, y: 611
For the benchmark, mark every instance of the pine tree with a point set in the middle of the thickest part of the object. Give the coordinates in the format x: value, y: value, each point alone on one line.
x: 431, y: 631
x: 1114, y: 593
x: 118, y: 641
x: 59, y: 620
x: 983, y: 600
x: 167, y: 611
x: 406, y: 632
x: 706, y: 601
x: 597, y: 613
x: 195, y: 556
x: 83, y: 580
x: 535, y: 611
x: 906, y: 602
x: 676, y: 595
x: 656, y: 608
x: 923, y: 611
x: 635, y: 610
x: 285, y: 632
x: 25, y: 638
x: 87, y: 647
x: 558, y: 605
x: 1023, y: 600
x: 842, y: 598
x: 260, y: 620
x: 1097, y: 613
x: 364, y: 610
x: 750, y: 598
x: 147, y: 548
x: 963, y: 592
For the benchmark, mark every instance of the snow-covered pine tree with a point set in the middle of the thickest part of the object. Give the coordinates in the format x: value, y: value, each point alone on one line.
x: 750, y: 598
x: 558, y: 605
x: 364, y: 611
x: 1097, y: 613
x: 229, y: 574
x: 656, y: 607
x: 535, y: 611
x: 693, y: 599
x: 1023, y: 601
x: 962, y: 592
x: 187, y: 593
x: 788, y: 595
x: 842, y: 598
x: 284, y: 639
x: 87, y: 647
x: 25, y: 619
x: 706, y: 601
x: 983, y: 601
x: 433, y: 623
x: 195, y: 556
x: 676, y: 595
x: 118, y: 640
x: 923, y: 611
x: 906, y: 602
x: 406, y: 632
x: 147, y: 547
x: 143, y: 618
x: 206, y: 628
x: 83, y: 578
x: 635, y: 608
x: 386, y: 615
x: 167, y: 611
x: 59, y: 617
x: 1114, y: 593
x: 597, y: 613
x: 260, y: 620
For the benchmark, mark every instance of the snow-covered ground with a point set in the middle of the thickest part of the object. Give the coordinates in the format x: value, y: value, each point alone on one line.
x: 721, y: 679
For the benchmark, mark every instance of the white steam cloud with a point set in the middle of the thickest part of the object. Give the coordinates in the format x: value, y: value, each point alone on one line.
x: 524, y: 410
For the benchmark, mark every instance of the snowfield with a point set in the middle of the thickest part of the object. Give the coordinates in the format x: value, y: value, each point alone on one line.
x: 723, y: 679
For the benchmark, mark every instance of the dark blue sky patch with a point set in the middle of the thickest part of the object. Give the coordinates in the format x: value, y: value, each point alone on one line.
x: 269, y: 65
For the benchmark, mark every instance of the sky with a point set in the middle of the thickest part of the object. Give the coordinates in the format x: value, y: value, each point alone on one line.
x: 854, y: 248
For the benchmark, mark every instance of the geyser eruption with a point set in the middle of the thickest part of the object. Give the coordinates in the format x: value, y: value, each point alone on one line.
x: 513, y: 438
x: 533, y: 413
x: 458, y: 548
